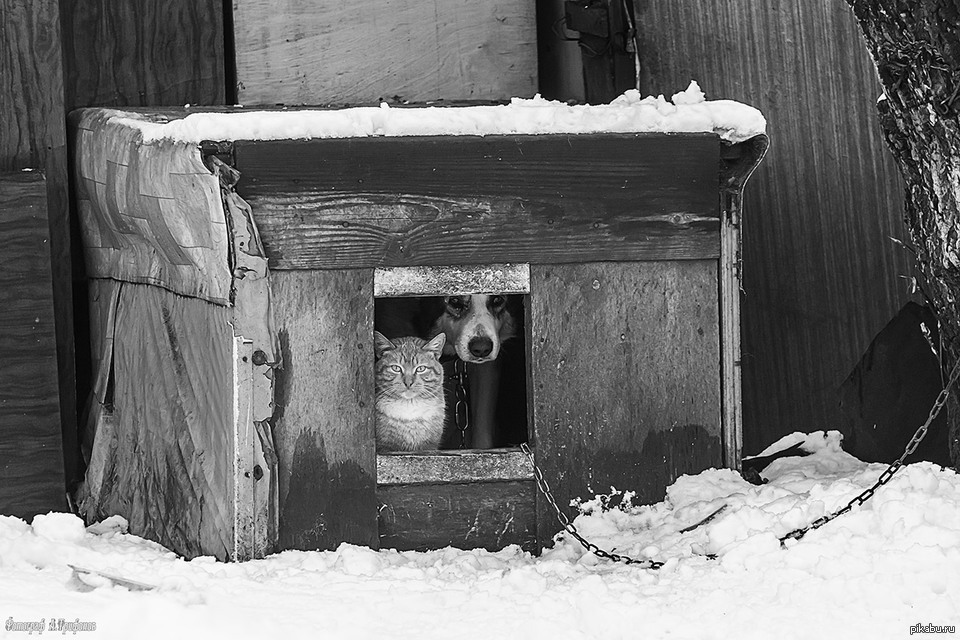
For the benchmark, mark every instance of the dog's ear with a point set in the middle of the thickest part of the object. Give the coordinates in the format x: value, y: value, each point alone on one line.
x: 436, y: 344
x: 381, y: 344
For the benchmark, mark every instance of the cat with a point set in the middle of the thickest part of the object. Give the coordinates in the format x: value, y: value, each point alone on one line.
x: 410, y: 408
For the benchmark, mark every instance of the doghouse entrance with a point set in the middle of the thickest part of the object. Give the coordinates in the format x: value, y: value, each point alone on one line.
x: 476, y: 488
x: 486, y: 403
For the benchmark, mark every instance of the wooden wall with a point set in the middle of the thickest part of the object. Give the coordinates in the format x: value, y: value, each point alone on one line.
x: 126, y: 53
x: 821, y: 276
x: 31, y: 455
x: 32, y: 135
x: 298, y: 52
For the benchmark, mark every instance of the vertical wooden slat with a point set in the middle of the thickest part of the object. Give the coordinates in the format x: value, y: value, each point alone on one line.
x: 31, y: 458
x: 820, y: 274
x: 626, y: 377
x: 730, y: 341
x: 33, y: 134
x: 244, y: 436
x: 324, y: 421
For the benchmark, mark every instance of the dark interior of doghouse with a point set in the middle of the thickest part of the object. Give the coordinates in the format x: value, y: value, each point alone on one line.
x: 512, y: 422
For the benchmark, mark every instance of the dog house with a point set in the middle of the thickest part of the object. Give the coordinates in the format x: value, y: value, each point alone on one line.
x: 235, y: 258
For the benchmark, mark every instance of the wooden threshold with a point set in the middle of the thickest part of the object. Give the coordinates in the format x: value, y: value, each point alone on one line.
x: 453, y: 467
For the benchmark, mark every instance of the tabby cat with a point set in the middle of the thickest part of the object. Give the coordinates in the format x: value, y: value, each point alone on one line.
x: 410, y: 404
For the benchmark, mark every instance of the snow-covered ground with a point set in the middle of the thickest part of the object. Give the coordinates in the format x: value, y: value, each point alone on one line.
x: 874, y: 573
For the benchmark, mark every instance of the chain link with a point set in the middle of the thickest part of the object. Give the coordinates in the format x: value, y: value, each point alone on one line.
x: 888, y: 473
x: 461, y: 410
x: 569, y: 526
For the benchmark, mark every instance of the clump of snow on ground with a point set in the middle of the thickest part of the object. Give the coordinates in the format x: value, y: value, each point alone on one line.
x: 873, y: 573
x: 687, y: 112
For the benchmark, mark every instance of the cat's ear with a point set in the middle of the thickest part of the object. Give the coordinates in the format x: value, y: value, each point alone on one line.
x: 381, y: 344
x: 436, y: 344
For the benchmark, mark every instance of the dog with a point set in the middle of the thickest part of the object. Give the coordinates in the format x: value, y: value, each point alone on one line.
x: 476, y: 326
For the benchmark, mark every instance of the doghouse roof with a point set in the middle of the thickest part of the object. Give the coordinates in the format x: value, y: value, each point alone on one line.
x: 687, y: 112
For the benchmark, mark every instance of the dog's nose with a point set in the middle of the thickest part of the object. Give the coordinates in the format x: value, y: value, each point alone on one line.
x: 480, y: 347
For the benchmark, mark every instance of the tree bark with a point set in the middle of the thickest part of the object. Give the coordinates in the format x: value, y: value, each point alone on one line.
x: 916, y: 47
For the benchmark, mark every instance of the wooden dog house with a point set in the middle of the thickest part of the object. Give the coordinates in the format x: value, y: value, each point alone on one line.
x: 232, y: 294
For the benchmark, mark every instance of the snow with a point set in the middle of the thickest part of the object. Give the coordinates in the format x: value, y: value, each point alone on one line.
x: 688, y: 111
x: 873, y: 573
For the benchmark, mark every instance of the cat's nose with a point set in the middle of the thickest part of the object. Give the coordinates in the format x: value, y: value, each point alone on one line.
x: 480, y: 347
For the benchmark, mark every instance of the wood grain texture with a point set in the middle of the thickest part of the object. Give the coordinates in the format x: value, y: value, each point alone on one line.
x: 625, y: 377
x: 324, y: 420
x: 32, y: 135
x: 31, y: 83
x: 129, y: 53
x: 301, y: 52
x: 471, y: 200
x: 452, y: 466
x: 821, y: 276
x: 447, y: 280
x: 31, y: 456
x: 488, y: 515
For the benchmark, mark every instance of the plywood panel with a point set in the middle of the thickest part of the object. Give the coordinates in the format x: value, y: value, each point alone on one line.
x: 32, y: 135
x: 124, y: 53
x: 625, y: 377
x: 31, y: 456
x: 820, y: 275
x: 489, y: 515
x: 324, y: 420
x: 302, y: 52
x: 466, y: 200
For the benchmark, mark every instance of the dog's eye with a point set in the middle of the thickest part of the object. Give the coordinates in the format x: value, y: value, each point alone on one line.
x: 456, y: 303
x: 497, y: 301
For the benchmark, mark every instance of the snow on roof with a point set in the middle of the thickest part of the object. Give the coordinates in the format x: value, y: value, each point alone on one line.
x: 687, y: 112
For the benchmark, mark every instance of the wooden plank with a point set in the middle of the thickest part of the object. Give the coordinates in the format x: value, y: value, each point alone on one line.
x: 730, y: 341
x: 448, y: 281
x: 32, y: 135
x: 31, y: 455
x: 738, y: 162
x: 626, y: 381
x: 122, y: 53
x: 821, y: 275
x: 342, y: 203
x: 452, y: 466
x: 30, y: 79
x: 324, y: 420
x: 294, y: 52
x: 488, y: 515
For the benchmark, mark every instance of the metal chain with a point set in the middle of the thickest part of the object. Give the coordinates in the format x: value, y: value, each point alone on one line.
x: 885, y: 477
x: 569, y: 526
x: 796, y: 534
x: 461, y: 410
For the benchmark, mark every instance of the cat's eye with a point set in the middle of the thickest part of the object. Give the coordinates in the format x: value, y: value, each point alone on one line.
x: 396, y: 367
x: 421, y: 369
